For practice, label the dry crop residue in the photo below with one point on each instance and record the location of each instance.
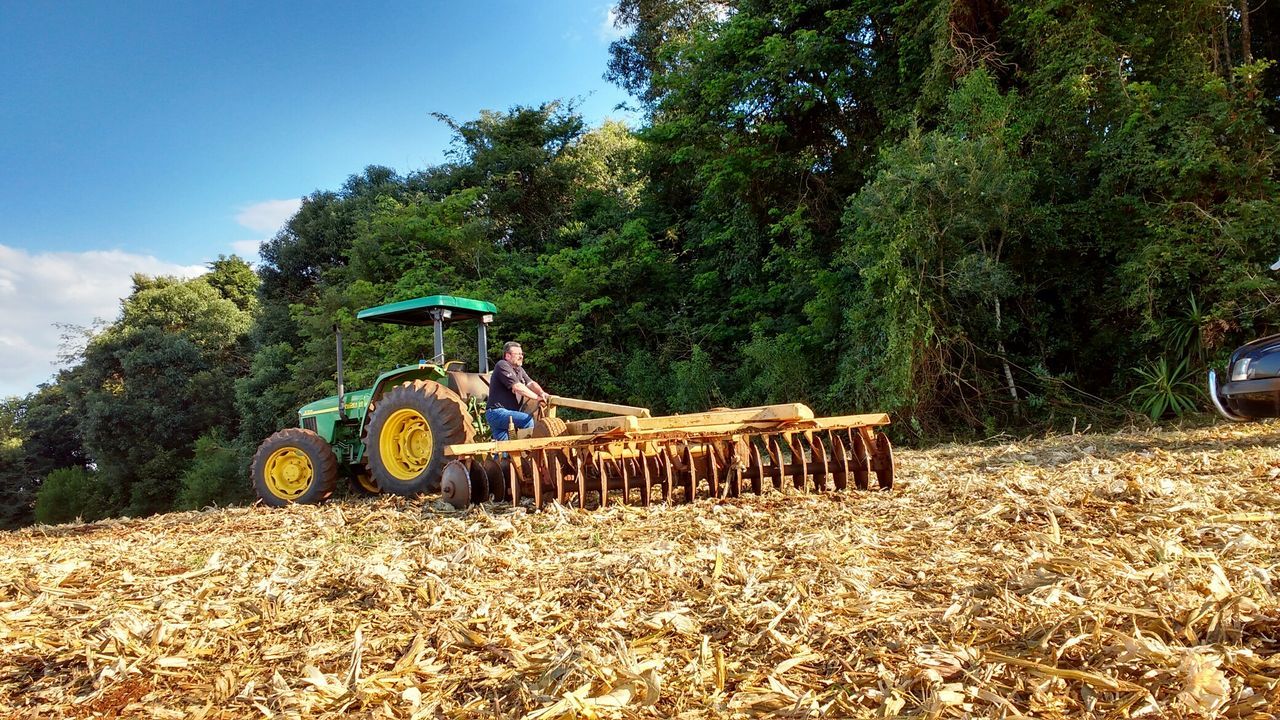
(1080, 576)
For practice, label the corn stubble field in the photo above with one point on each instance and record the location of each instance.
(1123, 575)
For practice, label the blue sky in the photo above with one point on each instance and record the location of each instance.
(155, 136)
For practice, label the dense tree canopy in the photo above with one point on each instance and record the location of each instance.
(974, 214)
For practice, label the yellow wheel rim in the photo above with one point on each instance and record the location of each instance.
(405, 444)
(288, 473)
(365, 481)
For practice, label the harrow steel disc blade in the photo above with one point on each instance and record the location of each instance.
(557, 476)
(624, 469)
(668, 475)
(820, 464)
(647, 466)
(713, 470)
(757, 470)
(479, 480)
(861, 463)
(777, 472)
(455, 485)
(534, 477)
(884, 461)
(840, 469)
(801, 473)
(495, 477)
(582, 480)
(731, 486)
(604, 481)
(690, 476)
(513, 480)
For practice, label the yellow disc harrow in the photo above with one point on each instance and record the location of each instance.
(677, 459)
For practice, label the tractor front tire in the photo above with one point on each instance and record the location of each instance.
(294, 466)
(407, 432)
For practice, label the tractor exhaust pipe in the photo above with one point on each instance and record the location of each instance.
(342, 400)
(482, 339)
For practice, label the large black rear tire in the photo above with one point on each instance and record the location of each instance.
(407, 432)
(294, 466)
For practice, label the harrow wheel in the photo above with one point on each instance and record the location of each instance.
(294, 466)
(407, 431)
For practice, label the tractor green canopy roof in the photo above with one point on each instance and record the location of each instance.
(419, 310)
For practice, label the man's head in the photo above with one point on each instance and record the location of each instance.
(512, 353)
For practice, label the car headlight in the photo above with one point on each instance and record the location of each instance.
(1240, 371)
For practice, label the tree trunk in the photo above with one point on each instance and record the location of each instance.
(1008, 372)
(1246, 34)
(1226, 43)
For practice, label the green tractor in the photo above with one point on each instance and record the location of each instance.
(415, 431)
(390, 437)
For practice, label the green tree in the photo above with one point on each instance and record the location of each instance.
(937, 239)
(216, 475)
(153, 382)
(71, 494)
(234, 280)
(17, 491)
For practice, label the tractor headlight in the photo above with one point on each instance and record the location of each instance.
(1240, 371)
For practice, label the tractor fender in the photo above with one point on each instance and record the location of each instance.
(392, 378)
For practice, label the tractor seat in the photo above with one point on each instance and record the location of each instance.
(469, 385)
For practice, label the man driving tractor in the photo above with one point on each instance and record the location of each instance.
(511, 393)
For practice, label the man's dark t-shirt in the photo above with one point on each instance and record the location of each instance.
(504, 376)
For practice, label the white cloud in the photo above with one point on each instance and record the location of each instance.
(608, 31)
(265, 218)
(42, 288)
(246, 248)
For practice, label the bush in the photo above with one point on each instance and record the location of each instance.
(71, 493)
(1166, 388)
(216, 477)
(696, 389)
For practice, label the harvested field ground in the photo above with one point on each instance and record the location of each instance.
(1080, 576)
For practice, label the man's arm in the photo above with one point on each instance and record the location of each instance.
(525, 391)
(528, 388)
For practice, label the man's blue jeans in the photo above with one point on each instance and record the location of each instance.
(499, 419)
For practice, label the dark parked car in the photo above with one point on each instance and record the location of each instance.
(1252, 387)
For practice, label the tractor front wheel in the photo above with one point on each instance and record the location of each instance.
(294, 466)
(407, 432)
(362, 483)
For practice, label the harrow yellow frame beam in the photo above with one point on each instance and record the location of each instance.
(764, 413)
(676, 431)
(593, 406)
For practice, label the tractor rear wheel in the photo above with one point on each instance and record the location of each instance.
(407, 432)
(294, 466)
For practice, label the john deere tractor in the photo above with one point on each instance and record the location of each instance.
(421, 428)
(390, 437)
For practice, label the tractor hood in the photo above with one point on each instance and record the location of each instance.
(356, 402)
